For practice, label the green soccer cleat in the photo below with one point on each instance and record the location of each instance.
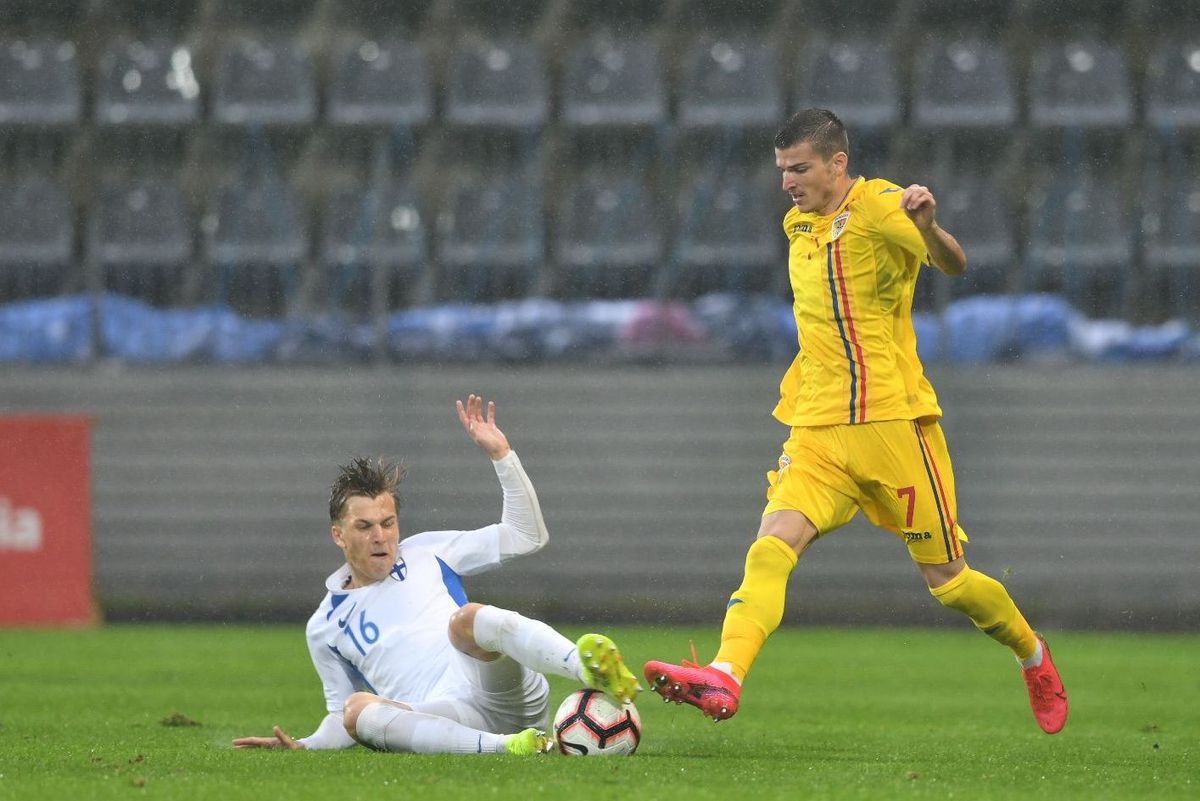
(529, 742)
(604, 670)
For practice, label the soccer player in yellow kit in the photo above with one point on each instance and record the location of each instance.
(863, 418)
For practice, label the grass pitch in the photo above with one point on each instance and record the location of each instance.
(829, 714)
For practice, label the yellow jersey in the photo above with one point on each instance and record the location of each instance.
(853, 273)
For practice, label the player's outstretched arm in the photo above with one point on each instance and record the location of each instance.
(483, 430)
(945, 252)
(281, 740)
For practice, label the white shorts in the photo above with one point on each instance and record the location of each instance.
(501, 697)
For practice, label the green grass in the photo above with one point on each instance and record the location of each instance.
(867, 714)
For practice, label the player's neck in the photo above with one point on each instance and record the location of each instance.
(840, 191)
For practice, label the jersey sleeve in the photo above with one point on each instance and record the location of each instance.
(894, 225)
(337, 686)
(465, 552)
(521, 529)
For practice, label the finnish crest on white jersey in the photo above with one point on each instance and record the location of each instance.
(399, 570)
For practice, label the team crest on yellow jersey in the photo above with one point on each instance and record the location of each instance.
(784, 461)
(839, 225)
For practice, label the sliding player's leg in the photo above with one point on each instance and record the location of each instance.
(484, 632)
(387, 725)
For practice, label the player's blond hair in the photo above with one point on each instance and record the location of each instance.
(367, 477)
(820, 127)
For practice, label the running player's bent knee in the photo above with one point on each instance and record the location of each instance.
(794, 528)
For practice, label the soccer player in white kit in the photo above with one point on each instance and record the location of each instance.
(407, 663)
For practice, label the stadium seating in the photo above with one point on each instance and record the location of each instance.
(140, 237)
(964, 85)
(256, 239)
(262, 81)
(1080, 240)
(608, 242)
(374, 242)
(1079, 84)
(730, 237)
(37, 238)
(491, 235)
(39, 83)
(730, 82)
(380, 83)
(1172, 88)
(970, 95)
(973, 207)
(497, 85)
(611, 82)
(855, 76)
(1172, 238)
(147, 83)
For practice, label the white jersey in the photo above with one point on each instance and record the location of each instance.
(390, 638)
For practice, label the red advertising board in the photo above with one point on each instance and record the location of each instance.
(45, 521)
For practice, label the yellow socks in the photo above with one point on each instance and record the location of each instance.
(984, 600)
(756, 608)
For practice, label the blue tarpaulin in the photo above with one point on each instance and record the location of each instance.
(760, 328)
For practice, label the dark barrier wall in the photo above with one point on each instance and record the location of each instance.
(1078, 487)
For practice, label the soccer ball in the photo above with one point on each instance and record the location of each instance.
(588, 723)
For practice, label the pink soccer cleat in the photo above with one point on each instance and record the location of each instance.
(1047, 695)
(712, 691)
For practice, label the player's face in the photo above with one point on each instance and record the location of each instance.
(369, 535)
(813, 183)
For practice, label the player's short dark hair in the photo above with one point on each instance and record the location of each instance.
(367, 477)
(820, 127)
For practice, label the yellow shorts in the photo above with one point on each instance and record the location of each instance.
(897, 471)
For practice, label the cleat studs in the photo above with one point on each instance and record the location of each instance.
(666, 700)
(677, 688)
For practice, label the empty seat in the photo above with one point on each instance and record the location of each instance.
(729, 233)
(1082, 84)
(491, 238)
(854, 78)
(610, 82)
(1080, 240)
(1171, 241)
(140, 237)
(965, 84)
(1173, 86)
(256, 237)
(264, 82)
(147, 83)
(609, 240)
(373, 239)
(730, 83)
(39, 83)
(976, 212)
(384, 82)
(497, 85)
(37, 238)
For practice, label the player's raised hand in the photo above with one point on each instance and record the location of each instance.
(918, 203)
(483, 430)
(281, 740)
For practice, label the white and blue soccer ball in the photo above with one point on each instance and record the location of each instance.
(589, 723)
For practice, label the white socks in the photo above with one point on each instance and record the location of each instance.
(528, 642)
(727, 668)
(1034, 660)
(390, 728)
